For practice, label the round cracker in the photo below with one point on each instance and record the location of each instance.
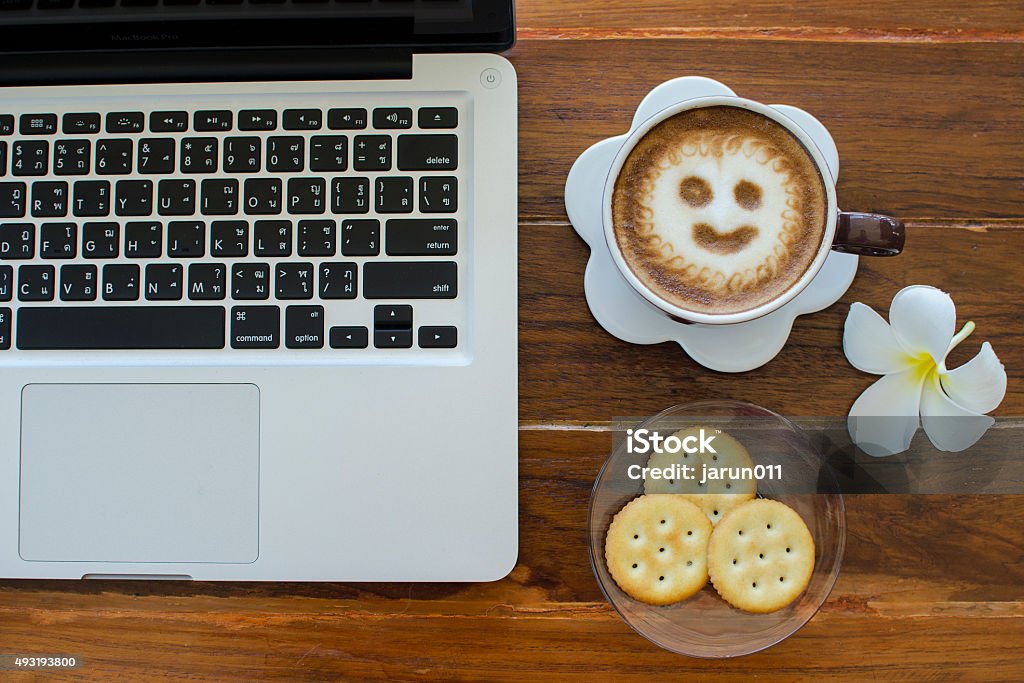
(656, 548)
(761, 556)
(716, 496)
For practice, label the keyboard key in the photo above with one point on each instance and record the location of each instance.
(328, 153)
(78, 282)
(392, 117)
(134, 198)
(392, 339)
(72, 157)
(6, 124)
(302, 119)
(394, 195)
(286, 154)
(125, 122)
(101, 240)
(349, 337)
(306, 195)
(350, 195)
(428, 152)
(272, 238)
(163, 281)
(38, 124)
(263, 196)
(168, 121)
(421, 237)
(58, 240)
(294, 281)
(186, 239)
(3, 158)
(229, 238)
(257, 119)
(439, 194)
(120, 327)
(50, 199)
(177, 197)
(199, 155)
(255, 327)
(5, 328)
(74, 124)
(250, 281)
(17, 241)
(36, 283)
(219, 197)
(121, 282)
(206, 281)
(143, 240)
(371, 153)
(114, 156)
(438, 117)
(212, 120)
(438, 337)
(410, 280)
(304, 327)
(30, 157)
(12, 200)
(360, 237)
(392, 315)
(91, 198)
(338, 280)
(242, 155)
(346, 119)
(317, 238)
(156, 155)
(6, 283)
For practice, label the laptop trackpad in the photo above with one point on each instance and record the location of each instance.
(140, 472)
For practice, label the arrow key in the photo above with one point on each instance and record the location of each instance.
(394, 316)
(438, 337)
(349, 337)
(392, 339)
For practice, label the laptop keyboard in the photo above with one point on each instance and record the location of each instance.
(306, 224)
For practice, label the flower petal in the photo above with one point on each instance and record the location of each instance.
(978, 385)
(949, 426)
(884, 418)
(870, 344)
(923, 319)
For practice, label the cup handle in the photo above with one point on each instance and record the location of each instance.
(869, 234)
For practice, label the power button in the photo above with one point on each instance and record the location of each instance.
(490, 78)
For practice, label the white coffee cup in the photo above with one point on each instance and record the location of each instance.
(859, 233)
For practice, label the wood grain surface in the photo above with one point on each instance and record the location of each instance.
(924, 99)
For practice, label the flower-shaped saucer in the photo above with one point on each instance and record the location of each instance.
(625, 314)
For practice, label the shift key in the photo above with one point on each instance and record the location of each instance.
(410, 280)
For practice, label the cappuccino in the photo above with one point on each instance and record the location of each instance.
(719, 210)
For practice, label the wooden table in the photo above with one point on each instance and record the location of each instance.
(924, 99)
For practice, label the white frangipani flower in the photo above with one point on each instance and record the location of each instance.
(916, 388)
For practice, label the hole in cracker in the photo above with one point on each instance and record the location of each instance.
(787, 550)
(734, 561)
(636, 535)
(716, 512)
(671, 481)
(754, 585)
(769, 526)
(661, 578)
(714, 457)
(781, 579)
(729, 486)
(761, 555)
(662, 521)
(690, 532)
(689, 563)
(740, 533)
(661, 550)
(634, 565)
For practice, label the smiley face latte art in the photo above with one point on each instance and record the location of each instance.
(719, 210)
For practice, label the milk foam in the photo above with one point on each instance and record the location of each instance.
(719, 209)
(722, 244)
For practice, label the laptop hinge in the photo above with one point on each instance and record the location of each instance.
(205, 65)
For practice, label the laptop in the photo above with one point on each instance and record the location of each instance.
(258, 290)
